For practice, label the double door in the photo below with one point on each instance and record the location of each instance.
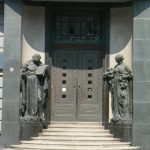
(76, 85)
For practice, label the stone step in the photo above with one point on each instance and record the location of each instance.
(60, 147)
(76, 134)
(74, 130)
(76, 125)
(70, 138)
(125, 148)
(75, 143)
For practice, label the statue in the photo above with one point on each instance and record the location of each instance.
(34, 89)
(119, 80)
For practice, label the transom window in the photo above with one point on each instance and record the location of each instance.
(78, 28)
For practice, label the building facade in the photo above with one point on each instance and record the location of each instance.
(79, 40)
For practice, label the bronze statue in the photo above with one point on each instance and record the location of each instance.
(119, 80)
(34, 88)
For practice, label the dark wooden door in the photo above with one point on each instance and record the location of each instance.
(89, 90)
(76, 86)
(64, 86)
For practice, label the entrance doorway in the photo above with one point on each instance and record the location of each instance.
(76, 77)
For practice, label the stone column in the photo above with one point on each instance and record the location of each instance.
(141, 72)
(12, 62)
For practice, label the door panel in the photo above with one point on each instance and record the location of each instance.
(89, 87)
(63, 82)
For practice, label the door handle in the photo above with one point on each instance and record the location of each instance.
(79, 86)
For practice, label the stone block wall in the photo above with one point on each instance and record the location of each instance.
(141, 71)
(11, 72)
(1, 57)
(1, 96)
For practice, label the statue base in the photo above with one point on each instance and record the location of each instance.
(121, 130)
(30, 127)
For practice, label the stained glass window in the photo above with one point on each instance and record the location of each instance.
(78, 28)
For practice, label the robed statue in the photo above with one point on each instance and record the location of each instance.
(34, 88)
(119, 80)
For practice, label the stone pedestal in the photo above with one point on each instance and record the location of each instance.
(30, 128)
(123, 131)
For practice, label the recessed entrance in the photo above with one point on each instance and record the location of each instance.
(77, 66)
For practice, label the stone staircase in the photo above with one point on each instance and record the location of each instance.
(74, 136)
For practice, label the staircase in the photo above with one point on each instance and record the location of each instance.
(74, 136)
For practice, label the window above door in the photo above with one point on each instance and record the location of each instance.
(80, 29)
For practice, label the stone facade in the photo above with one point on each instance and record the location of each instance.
(1, 57)
(25, 33)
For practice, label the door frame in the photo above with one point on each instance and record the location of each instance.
(49, 34)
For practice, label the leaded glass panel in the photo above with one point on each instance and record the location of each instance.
(78, 28)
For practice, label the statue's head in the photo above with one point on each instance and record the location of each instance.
(119, 58)
(36, 57)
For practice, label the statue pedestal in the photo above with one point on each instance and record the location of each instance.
(30, 128)
(121, 130)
